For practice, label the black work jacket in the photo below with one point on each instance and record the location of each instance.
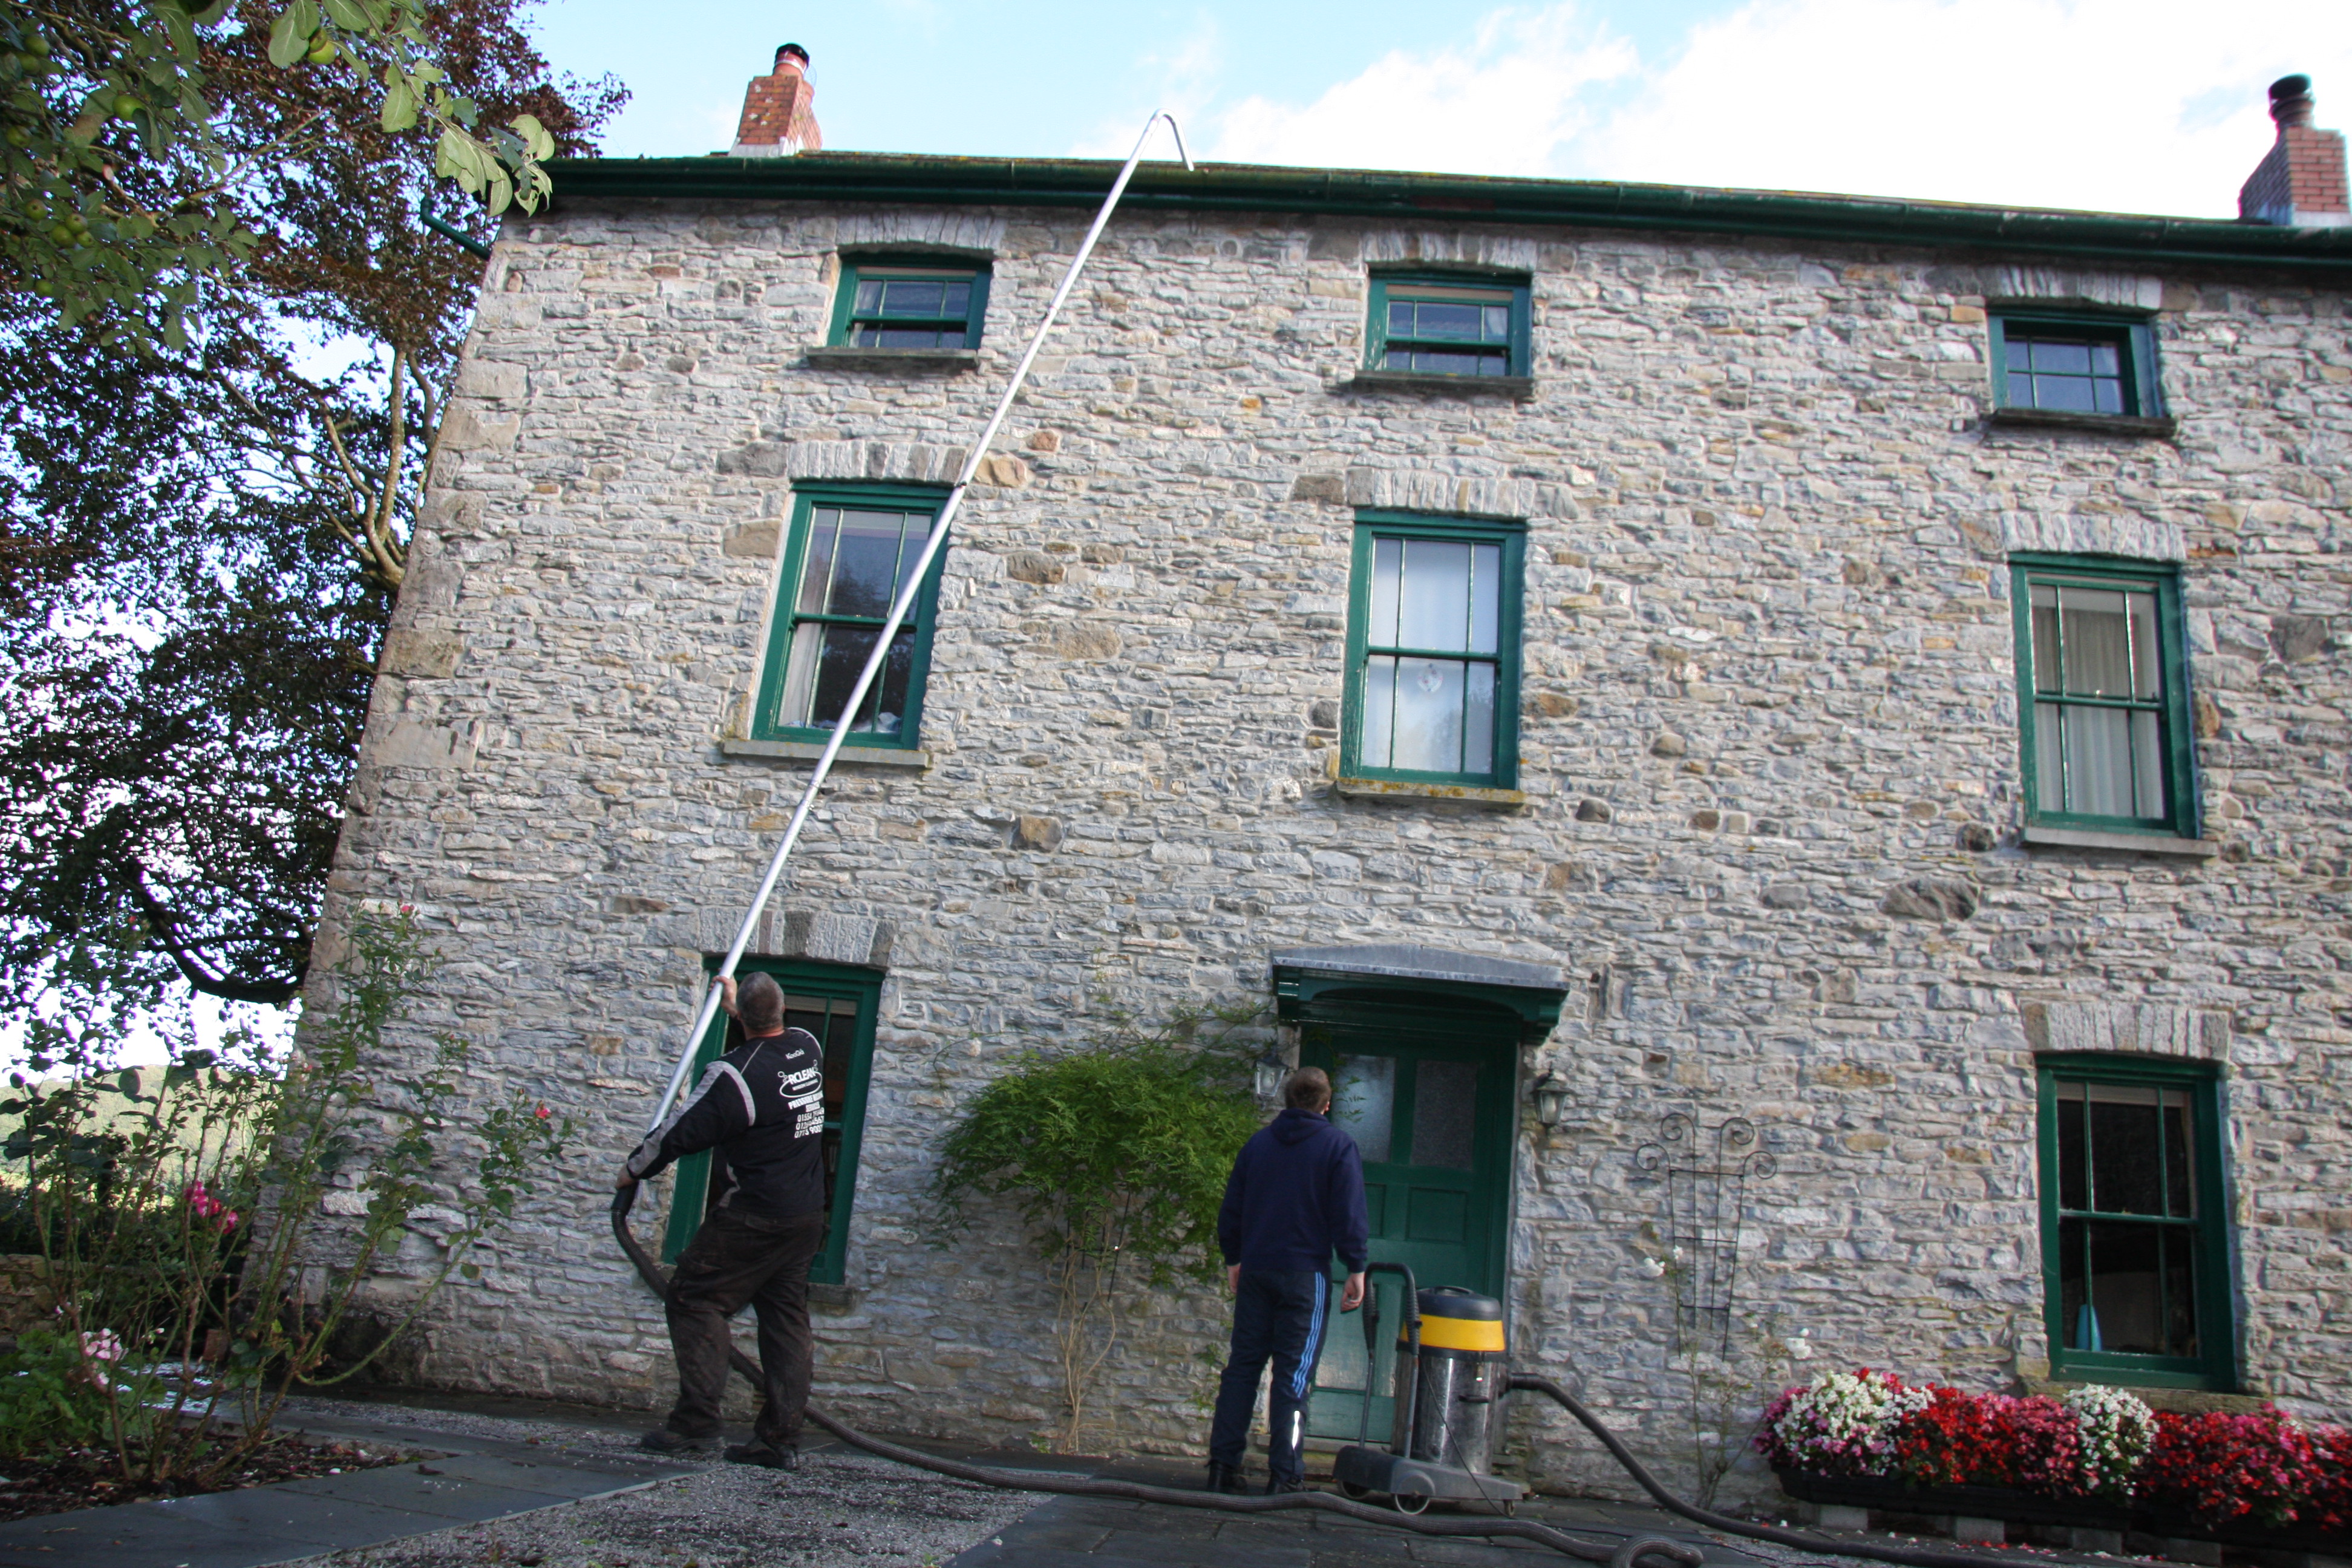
(761, 1107)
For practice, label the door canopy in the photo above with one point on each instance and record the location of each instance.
(1312, 983)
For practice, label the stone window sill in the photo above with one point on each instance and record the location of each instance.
(809, 751)
(1518, 388)
(2161, 426)
(2133, 843)
(895, 359)
(1399, 789)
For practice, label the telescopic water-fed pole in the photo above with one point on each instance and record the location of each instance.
(899, 609)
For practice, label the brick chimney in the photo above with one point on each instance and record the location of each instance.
(2301, 183)
(777, 117)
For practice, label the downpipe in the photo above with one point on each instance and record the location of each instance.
(1634, 1553)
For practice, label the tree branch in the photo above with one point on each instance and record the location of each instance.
(274, 992)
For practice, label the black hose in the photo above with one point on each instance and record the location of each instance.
(1917, 1556)
(1629, 1554)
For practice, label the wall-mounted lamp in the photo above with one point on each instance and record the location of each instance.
(1271, 1070)
(1551, 1098)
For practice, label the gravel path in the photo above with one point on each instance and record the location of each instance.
(839, 1510)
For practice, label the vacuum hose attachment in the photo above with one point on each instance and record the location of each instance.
(1914, 1556)
(1635, 1551)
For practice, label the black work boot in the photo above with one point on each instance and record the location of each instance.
(1226, 1478)
(1276, 1486)
(768, 1455)
(662, 1440)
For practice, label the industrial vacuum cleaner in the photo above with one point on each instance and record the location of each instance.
(1451, 1372)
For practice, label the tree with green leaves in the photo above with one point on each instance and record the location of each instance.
(200, 546)
(1115, 1157)
(130, 173)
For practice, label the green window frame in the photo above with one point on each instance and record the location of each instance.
(849, 548)
(1434, 619)
(2075, 364)
(2135, 1222)
(909, 302)
(1448, 324)
(838, 1004)
(2102, 699)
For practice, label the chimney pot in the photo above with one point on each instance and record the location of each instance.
(2291, 101)
(2300, 183)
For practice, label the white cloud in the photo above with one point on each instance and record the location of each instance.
(1501, 105)
(2121, 105)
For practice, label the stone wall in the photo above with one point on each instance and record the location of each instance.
(1769, 748)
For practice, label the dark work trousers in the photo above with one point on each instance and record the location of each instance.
(735, 1260)
(1280, 1315)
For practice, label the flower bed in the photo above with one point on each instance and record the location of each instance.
(2097, 1459)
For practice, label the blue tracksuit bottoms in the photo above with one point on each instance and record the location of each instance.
(1283, 1316)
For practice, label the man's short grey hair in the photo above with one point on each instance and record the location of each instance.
(759, 1003)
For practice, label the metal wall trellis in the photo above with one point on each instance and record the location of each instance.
(1707, 1176)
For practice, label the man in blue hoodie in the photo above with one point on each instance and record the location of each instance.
(1295, 1197)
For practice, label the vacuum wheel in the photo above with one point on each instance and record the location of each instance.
(1410, 1502)
(1353, 1492)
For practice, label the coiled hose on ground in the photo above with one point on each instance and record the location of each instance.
(1656, 1550)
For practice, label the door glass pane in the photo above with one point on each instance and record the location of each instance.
(1428, 736)
(2098, 760)
(1445, 1114)
(2147, 764)
(2098, 642)
(1364, 1103)
(1434, 609)
(2126, 1152)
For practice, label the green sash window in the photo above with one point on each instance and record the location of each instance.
(1448, 326)
(2133, 1235)
(1434, 651)
(2076, 364)
(2103, 703)
(908, 303)
(849, 555)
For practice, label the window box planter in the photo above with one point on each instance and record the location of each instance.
(1886, 1495)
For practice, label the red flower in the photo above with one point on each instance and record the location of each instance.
(544, 1113)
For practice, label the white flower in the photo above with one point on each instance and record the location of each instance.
(1655, 1268)
(1800, 1348)
(2115, 1432)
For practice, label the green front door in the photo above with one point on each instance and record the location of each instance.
(1427, 1097)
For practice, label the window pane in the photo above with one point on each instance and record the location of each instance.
(1433, 611)
(2180, 1336)
(2098, 761)
(1445, 362)
(842, 653)
(2045, 636)
(2065, 358)
(2066, 393)
(800, 675)
(1428, 716)
(2073, 1161)
(1380, 711)
(2147, 765)
(2098, 642)
(817, 570)
(2049, 760)
(2104, 360)
(1445, 1114)
(873, 552)
(2107, 396)
(1388, 558)
(2147, 680)
(2126, 1149)
(1478, 720)
(1364, 1103)
(874, 337)
(1459, 323)
(2180, 1167)
(1486, 596)
(869, 297)
(924, 298)
(1400, 318)
(2080, 1327)
(2142, 1281)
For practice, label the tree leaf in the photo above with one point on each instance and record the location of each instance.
(289, 37)
(349, 16)
(399, 108)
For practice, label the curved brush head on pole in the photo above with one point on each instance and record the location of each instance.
(899, 611)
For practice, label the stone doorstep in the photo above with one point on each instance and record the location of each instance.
(473, 1482)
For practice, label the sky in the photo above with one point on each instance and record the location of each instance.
(2111, 105)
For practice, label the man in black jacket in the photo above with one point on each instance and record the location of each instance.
(1295, 1197)
(762, 1107)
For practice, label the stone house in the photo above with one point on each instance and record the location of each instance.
(1582, 654)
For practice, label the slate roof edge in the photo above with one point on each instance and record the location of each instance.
(866, 178)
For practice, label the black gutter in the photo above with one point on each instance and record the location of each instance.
(902, 180)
